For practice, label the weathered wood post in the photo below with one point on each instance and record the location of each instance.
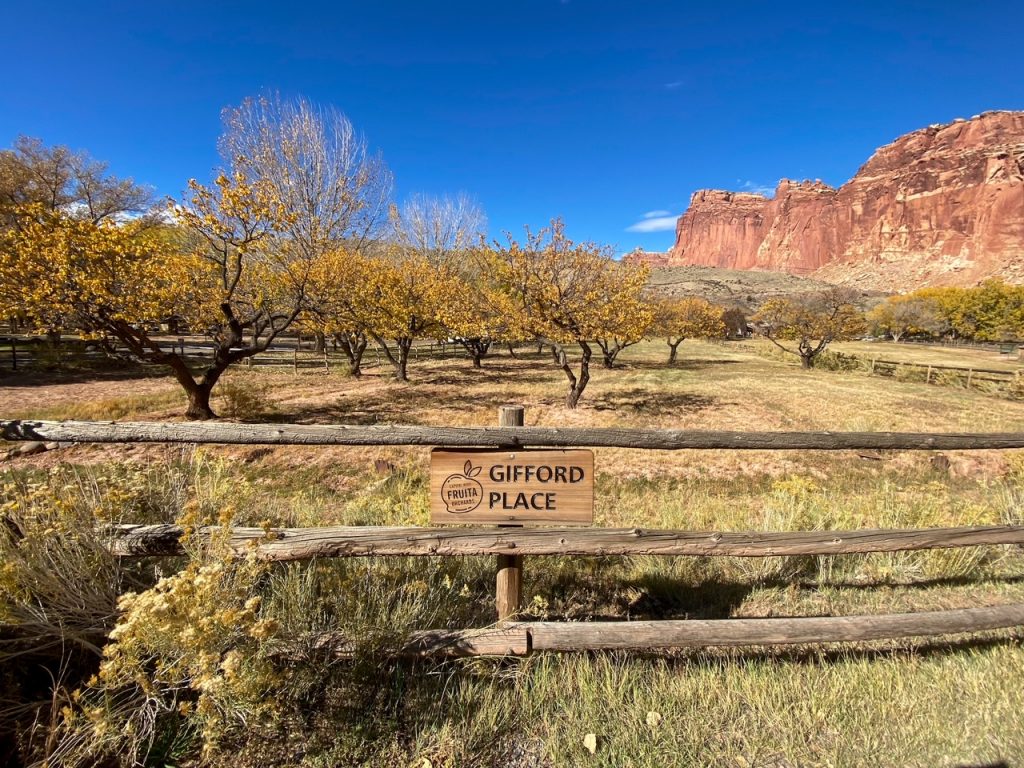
(928, 376)
(509, 582)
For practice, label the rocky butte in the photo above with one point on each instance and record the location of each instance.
(943, 205)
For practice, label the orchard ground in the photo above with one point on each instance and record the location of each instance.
(950, 702)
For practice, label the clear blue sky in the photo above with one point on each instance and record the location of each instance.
(599, 112)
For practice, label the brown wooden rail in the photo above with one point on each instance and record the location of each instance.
(282, 544)
(524, 637)
(495, 437)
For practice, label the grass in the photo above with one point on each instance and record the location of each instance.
(960, 357)
(891, 703)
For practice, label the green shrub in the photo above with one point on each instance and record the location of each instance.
(244, 397)
(837, 361)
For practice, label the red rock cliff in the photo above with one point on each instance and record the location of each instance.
(941, 205)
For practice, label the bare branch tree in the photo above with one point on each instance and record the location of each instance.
(438, 228)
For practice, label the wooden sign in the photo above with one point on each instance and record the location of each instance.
(511, 487)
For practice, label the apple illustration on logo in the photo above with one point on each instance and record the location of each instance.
(461, 493)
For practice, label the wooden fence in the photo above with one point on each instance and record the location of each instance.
(510, 545)
(968, 375)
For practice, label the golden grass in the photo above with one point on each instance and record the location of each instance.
(898, 703)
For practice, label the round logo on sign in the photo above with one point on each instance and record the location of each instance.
(460, 492)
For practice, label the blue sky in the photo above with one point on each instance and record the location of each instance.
(600, 112)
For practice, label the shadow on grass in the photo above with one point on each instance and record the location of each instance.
(114, 371)
(682, 364)
(641, 400)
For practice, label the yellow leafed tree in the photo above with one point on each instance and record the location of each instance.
(812, 323)
(691, 317)
(564, 294)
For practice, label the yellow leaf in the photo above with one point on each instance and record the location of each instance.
(590, 742)
(653, 719)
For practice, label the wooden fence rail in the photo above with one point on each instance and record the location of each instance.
(522, 638)
(511, 544)
(282, 544)
(495, 437)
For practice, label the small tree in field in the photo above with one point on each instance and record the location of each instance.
(562, 293)
(479, 313)
(626, 316)
(902, 315)
(687, 318)
(388, 298)
(811, 323)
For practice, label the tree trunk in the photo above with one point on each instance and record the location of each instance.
(353, 344)
(199, 404)
(576, 383)
(320, 343)
(512, 351)
(402, 366)
(806, 361)
(476, 348)
(674, 349)
(198, 392)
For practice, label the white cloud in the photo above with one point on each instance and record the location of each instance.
(654, 223)
(656, 214)
(673, 85)
(756, 188)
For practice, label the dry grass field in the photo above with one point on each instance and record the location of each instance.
(958, 701)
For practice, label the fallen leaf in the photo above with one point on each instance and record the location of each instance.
(653, 719)
(590, 742)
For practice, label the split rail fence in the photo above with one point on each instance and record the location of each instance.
(512, 637)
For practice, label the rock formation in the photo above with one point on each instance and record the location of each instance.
(943, 205)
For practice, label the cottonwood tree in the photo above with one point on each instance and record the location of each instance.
(990, 311)
(560, 290)
(909, 314)
(439, 229)
(678, 319)
(811, 322)
(57, 179)
(46, 186)
(320, 170)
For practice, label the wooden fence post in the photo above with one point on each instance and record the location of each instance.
(509, 582)
(14, 353)
(928, 376)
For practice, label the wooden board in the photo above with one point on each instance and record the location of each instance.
(494, 437)
(512, 487)
(285, 544)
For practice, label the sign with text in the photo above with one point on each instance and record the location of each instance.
(512, 487)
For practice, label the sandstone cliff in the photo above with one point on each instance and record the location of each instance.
(943, 205)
